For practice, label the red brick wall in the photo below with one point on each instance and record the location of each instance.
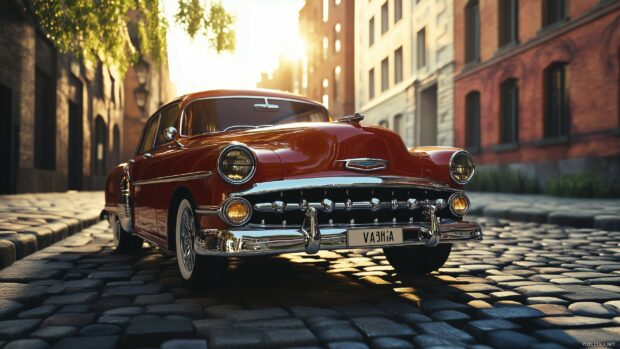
(589, 43)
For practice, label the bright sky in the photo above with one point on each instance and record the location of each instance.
(264, 30)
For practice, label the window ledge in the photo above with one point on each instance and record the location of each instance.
(471, 65)
(505, 147)
(552, 141)
(550, 27)
(507, 47)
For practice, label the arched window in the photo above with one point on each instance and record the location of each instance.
(472, 31)
(99, 146)
(472, 120)
(116, 145)
(557, 120)
(509, 112)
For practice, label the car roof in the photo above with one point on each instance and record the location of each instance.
(185, 99)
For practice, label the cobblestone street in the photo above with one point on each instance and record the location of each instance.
(525, 285)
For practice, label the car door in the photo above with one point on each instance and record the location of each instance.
(144, 173)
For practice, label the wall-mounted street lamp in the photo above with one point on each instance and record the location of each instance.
(142, 70)
(140, 93)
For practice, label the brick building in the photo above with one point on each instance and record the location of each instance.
(326, 74)
(62, 120)
(537, 84)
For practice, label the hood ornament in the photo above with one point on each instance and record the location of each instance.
(365, 164)
(357, 117)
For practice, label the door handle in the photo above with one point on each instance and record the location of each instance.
(147, 155)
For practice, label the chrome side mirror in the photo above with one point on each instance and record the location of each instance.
(170, 134)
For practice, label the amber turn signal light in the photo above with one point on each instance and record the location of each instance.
(237, 211)
(459, 204)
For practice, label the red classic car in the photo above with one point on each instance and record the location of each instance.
(244, 173)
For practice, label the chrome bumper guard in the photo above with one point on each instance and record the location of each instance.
(310, 239)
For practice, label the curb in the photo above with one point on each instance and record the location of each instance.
(576, 219)
(15, 245)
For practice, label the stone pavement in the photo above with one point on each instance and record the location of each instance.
(29, 222)
(526, 285)
(575, 212)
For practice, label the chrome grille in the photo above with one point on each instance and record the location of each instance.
(347, 205)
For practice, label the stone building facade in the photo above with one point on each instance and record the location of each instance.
(404, 62)
(537, 85)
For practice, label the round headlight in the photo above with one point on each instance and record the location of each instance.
(462, 167)
(459, 204)
(236, 164)
(236, 211)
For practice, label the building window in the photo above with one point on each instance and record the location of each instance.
(371, 31)
(557, 122)
(98, 81)
(325, 10)
(325, 47)
(337, 46)
(336, 81)
(112, 89)
(472, 120)
(398, 65)
(509, 109)
(99, 146)
(553, 11)
(371, 83)
(421, 48)
(508, 22)
(399, 124)
(398, 10)
(337, 2)
(44, 105)
(385, 74)
(325, 101)
(384, 123)
(116, 144)
(45, 121)
(385, 24)
(472, 32)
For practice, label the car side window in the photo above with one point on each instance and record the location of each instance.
(169, 118)
(150, 130)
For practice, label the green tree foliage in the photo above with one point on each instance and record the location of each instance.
(99, 29)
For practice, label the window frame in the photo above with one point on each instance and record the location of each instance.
(421, 51)
(398, 65)
(509, 112)
(472, 35)
(371, 31)
(385, 17)
(371, 84)
(473, 120)
(556, 126)
(385, 74)
(508, 22)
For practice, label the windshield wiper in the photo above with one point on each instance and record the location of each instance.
(240, 127)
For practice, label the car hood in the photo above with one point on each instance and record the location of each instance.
(318, 149)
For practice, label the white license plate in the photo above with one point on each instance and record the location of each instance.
(374, 236)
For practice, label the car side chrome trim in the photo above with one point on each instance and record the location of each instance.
(344, 182)
(175, 178)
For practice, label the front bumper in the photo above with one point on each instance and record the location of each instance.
(256, 241)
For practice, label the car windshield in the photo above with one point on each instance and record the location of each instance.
(219, 114)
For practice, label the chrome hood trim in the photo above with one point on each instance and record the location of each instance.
(343, 182)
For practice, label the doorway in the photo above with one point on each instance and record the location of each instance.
(75, 157)
(8, 143)
(427, 116)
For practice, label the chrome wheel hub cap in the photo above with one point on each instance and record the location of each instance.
(186, 237)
